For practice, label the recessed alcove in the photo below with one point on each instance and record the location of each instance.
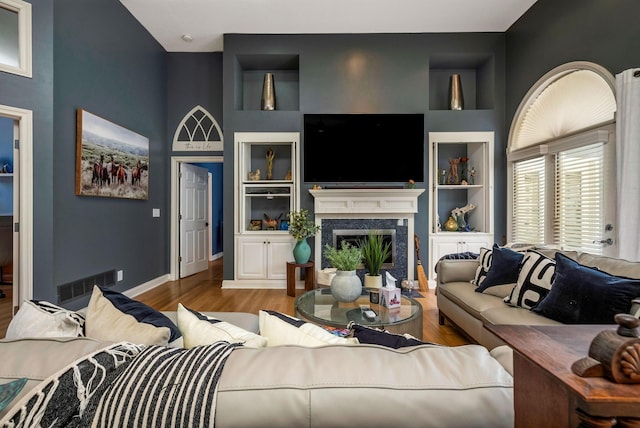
(477, 73)
(250, 70)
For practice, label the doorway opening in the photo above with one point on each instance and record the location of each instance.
(20, 123)
(175, 230)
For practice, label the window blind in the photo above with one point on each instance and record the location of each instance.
(579, 187)
(528, 201)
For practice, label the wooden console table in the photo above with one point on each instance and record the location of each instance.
(548, 394)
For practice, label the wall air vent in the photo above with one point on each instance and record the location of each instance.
(82, 287)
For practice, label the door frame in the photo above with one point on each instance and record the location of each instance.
(174, 263)
(23, 238)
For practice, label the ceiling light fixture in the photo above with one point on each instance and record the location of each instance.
(187, 37)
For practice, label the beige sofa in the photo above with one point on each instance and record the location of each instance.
(327, 386)
(470, 311)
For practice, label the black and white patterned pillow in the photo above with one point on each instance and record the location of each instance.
(486, 254)
(534, 281)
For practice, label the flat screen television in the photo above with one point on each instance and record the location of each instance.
(363, 148)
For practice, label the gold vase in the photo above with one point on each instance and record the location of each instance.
(456, 100)
(268, 93)
(451, 225)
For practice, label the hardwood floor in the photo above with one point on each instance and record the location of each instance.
(203, 291)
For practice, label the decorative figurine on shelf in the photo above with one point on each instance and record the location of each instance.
(270, 155)
(443, 176)
(254, 175)
(452, 176)
(288, 176)
(463, 170)
(458, 215)
(472, 175)
(438, 224)
(271, 223)
(411, 184)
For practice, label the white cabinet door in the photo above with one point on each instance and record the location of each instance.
(279, 252)
(251, 257)
(263, 257)
(452, 243)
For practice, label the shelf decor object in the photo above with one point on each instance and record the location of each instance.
(456, 99)
(268, 93)
(301, 227)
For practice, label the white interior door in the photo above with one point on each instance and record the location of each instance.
(194, 225)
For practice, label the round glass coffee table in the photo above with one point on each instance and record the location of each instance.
(319, 307)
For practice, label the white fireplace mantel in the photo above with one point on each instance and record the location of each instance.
(368, 201)
(401, 204)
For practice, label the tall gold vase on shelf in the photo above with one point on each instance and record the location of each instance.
(268, 93)
(456, 99)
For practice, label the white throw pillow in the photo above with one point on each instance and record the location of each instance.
(486, 254)
(44, 319)
(534, 281)
(281, 329)
(115, 317)
(198, 329)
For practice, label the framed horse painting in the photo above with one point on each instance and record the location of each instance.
(111, 161)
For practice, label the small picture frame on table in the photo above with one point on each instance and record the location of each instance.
(255, 225)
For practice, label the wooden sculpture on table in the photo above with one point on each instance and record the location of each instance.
(614, 354)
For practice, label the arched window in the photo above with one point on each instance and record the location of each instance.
(198, 131)
(561, 154)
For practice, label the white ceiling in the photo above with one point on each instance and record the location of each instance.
(207, 20)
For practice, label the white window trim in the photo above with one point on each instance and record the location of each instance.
(603, 132)
(23, 10)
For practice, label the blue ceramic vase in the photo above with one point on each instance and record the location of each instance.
(302, 251)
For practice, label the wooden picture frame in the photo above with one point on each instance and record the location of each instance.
(111, 161)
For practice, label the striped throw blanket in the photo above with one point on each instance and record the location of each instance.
(129, 385)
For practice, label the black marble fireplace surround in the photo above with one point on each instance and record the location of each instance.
(400, 268)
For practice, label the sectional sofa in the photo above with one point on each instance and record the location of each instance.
(537, 286)
(234, 369)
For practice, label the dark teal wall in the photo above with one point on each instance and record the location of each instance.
(554, 32)
(36, 94)
(108, 64)
(395, 74)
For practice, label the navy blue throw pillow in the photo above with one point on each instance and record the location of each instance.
(585, 295)
(140, 311)
(373, 336)
(504, 269)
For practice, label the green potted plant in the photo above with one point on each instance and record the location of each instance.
(301, 226)
(375, 252)
(345, 285)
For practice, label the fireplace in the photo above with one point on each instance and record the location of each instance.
(352, 213)
(355, 236)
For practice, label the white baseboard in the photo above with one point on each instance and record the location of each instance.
(149, 285)
(215, 256)
(253, 284)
